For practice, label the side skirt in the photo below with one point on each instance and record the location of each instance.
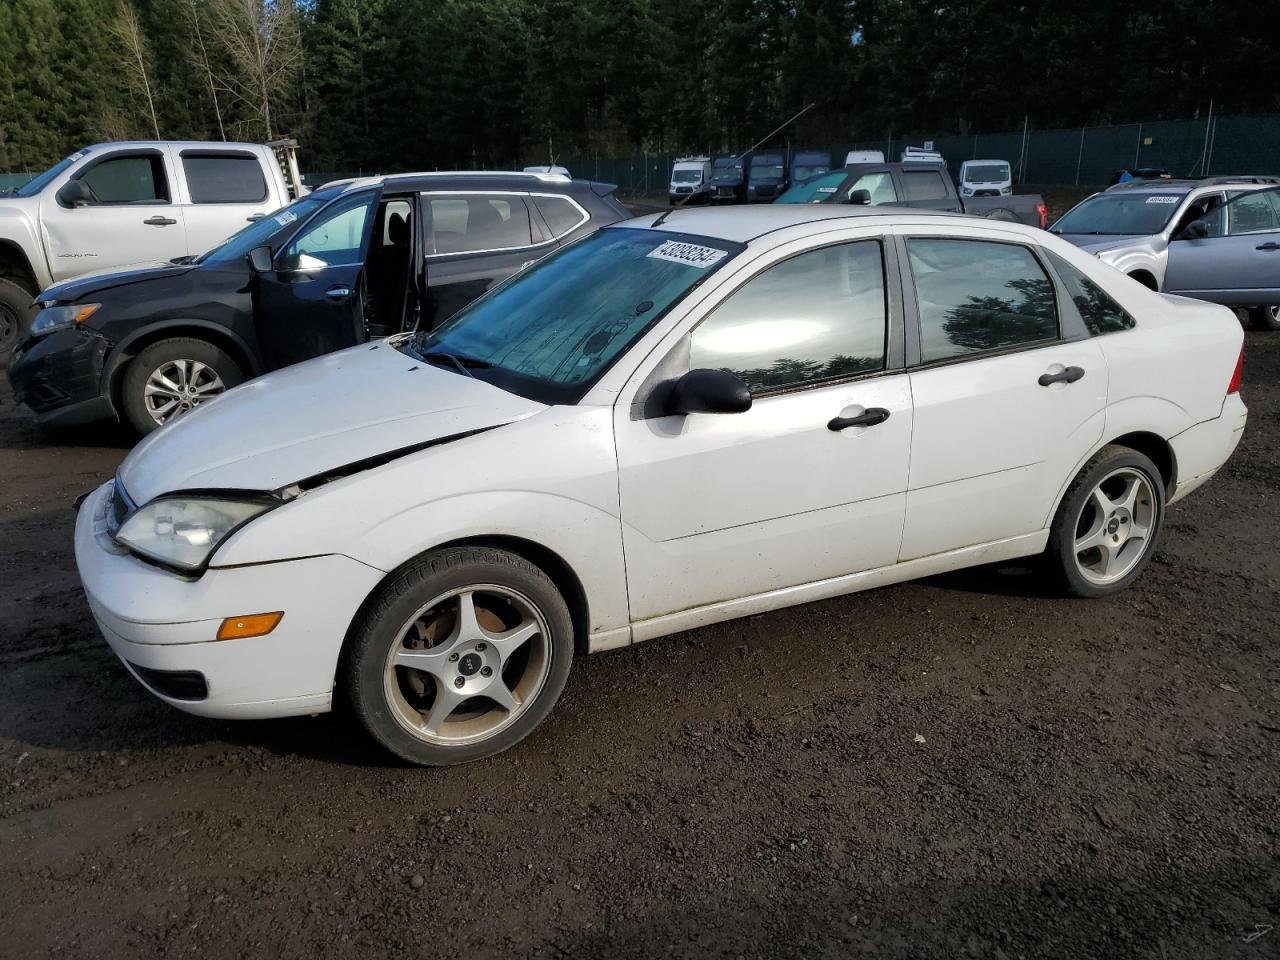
(994, 552)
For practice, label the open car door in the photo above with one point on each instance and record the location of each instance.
(1231, 255)
(312, 301)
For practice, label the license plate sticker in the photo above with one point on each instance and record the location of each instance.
(689, 254)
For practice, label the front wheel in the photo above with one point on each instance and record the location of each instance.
(459, 657)
(1108, 524)
(1265, 318)
(16, 314)
(170, 377)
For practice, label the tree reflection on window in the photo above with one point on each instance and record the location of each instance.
(976, 296)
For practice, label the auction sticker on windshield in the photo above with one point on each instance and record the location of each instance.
(1162, 199)
(286, 218)
(690, 254)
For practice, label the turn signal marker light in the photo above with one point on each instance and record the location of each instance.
(252, 625)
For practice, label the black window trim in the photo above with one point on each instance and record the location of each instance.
(152, 153)
(893, 321)
(524, 196)
(1067, 305)
(911, 311)
(205, 153)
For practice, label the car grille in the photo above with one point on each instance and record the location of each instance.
(684, 189)
(986, 193)
(724, 191)
(174, 684)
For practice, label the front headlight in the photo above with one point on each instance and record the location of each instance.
(184, 532)
(966, 191)
(60, 318)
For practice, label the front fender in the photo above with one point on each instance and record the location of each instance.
(18, 232)
(127, 347)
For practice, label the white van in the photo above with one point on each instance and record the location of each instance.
(985, 178)
(925, 154)
(690, 181)
(863, 156)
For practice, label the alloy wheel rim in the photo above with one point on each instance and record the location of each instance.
(8, 328)
(467, 665)
(176, 386)
(1115, 527)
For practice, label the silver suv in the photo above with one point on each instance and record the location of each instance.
(1140, 228)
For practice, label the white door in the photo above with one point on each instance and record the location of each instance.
(721, 506)
(129, 216)
(1004, 406)
(222, 190)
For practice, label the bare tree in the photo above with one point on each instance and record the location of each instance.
(135, 57)
(200, 57)
(263, 42)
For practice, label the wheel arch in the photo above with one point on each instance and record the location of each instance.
(1145, 277)
(563, 575)
(1150, 444)
(216, 334)
(15, 266)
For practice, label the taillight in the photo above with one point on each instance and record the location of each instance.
(1234, 385)
(1043, 213)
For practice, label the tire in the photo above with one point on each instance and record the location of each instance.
(1116, 555)
(16, 314)
(1265, 318)
(496, 694)
(209, 372)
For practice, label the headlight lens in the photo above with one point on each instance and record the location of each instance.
(185, 531)
(60, 318)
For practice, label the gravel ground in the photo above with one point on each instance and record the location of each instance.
(965, 766)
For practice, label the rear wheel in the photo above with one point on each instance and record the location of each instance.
(16, 314)
(1108, 524)
(459, 657)
(1265, 318)
(171, 377)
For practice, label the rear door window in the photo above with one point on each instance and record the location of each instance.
(975, 296)
(224, 179)
(923, 185)
(471, 223)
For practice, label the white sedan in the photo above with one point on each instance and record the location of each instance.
(672, 422)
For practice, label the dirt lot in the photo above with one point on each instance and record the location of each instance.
(959, 767)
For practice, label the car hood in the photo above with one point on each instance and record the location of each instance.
(91, 283)
(1093, 243)
(315, 418)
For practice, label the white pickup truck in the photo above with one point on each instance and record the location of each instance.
(114, 204)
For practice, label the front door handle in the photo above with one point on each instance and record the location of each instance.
(1269, 245)
(159, 221)
(868, 418)
(1066, 375)
(338, 293)
(256, 217)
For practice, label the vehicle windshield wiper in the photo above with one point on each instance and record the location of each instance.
(460, 362)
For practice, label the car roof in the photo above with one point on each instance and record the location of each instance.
(742, 224)
(462, 179)
(1156, 185)
(212, 145)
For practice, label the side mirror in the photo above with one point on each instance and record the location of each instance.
(860, 198)
(708, 391)
(1195, 230)
(260, 259)
(74, 193)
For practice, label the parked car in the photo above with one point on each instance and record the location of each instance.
(351, 262)
(766, 177)
(1139, 173)
(113, 204)
(863, 156)
(675, 421)
(690, 181)
(1141, 228)
(728, 177)
(985, 178)
(925, 186)
(808, 163)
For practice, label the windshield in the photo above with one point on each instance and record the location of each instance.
(765, 171)
(986, 173)
(41, 180)
(260, 232)
(727, 170)
(552, 330)
(1118, 214)
(815, 189)
(686, 176)
(805, 172)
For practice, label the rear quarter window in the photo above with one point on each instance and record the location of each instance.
(1101, 314)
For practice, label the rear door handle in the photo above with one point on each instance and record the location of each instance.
(256, 217)
(1066, 375)
(1269, 245)
(868, 418)
(338, 293)
(159, 221)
